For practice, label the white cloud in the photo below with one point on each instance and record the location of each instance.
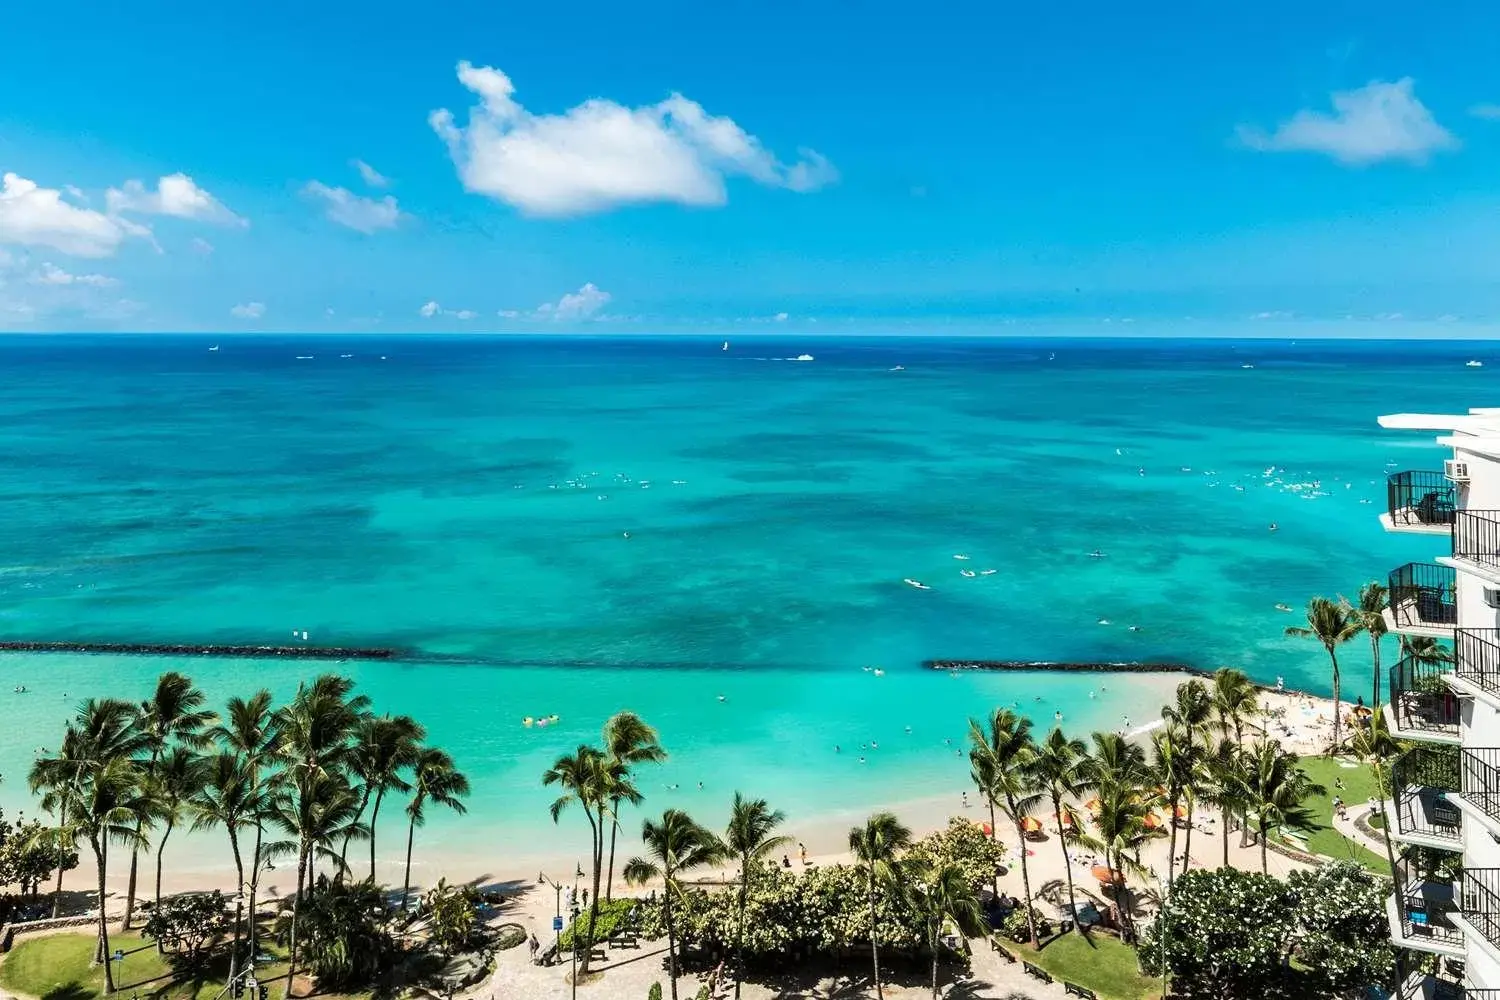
(365, 215)
(248, 310)
(508, 313)
(582, 304)
(780, 317)
(600, 154)
(1380, 121)
(201, 246)
(432, 309)
(175, 195)
(465, 314)
(1490, 112)
(371, 176)
(51, 274)
(31, 215)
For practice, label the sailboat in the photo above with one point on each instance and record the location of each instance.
(725, 347)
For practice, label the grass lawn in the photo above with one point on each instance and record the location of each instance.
(1099, 962)
(59, 967)
(1358, 788)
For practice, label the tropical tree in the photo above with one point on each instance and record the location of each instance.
(1120, 776)
(1331, 623)
(1235, 701)
(1377, 747)
(939, 893)
(436, 780)
(232, 799)
(675, 845)
(1189, 714)
(344, 927)
(384, 747)
(1276, 792)
(628, 742)
(1221, 783)
(1060, 772)
(584, 778)
(875, 847)
(751, 838)
(249, 730)
(1425, 650)
(173, 714)
(1173, 767)
(109, 805)
(1001, 752)
(180, 775)
(1367, 615)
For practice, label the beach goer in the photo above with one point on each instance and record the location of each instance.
(802, 852)
(786, 862)
(1056, 716)
(532, 944)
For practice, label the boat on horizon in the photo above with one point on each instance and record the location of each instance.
(899, 368)
(1473, 364)
(803, 357)
(213, 348)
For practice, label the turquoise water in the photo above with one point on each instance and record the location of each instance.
(471, 497)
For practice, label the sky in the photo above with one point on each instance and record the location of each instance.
(756, 167)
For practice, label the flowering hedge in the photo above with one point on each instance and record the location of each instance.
(1342, 935)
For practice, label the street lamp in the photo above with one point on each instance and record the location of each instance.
(542, 879)
(575, 950)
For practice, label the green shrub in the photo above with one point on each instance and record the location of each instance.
(654, 993)
(612, 915)
(508, 936)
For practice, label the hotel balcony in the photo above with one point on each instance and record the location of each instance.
(1479, 905)
(1422, 911)
(1423, 779)
(1419, 986)
(1422, 502)
(1476, 544)
(1422, 705)
(1476, 668)
(1479, 788)
(1423, 600)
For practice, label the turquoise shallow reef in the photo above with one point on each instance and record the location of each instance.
(716, 539)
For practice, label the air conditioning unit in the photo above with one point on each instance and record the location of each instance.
(1456, 470)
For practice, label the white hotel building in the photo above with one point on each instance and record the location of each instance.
(1447, 790)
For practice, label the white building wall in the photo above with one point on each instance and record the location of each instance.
(1483, 489)
(1481, 967)
(1473, 610)
(1480, 723)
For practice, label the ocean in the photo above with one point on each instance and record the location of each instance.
(716, 539)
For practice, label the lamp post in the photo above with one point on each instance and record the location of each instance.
(542, 879)
(575, 949)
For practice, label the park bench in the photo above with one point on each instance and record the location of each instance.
(1073, 989)
(1036, 972)
(1001, 950)
(626, 939)
(598, 955)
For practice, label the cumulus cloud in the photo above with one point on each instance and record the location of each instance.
(1380, 121)
(431, 309)
(31, 215)
(51, 274)
(248, 310)
(582, 304)
(780, 317)
(364, 215)
(601, 154)
(175, 195)
(371, 176)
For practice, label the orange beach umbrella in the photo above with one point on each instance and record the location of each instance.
(1092, 805)
(1182, 812)
(1107, 876)
(1031, 825)
(1067, 821)
(1152, 821)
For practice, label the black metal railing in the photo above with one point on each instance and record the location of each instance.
(1425, 906)
(1477, 655)
(1424, 595)
(1432, 988)
(1420, 498)
(1480, 781)
(1421, 699)
(1479, 900)
(1476, 537)
(1422, 778)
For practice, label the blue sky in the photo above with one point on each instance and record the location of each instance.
(737, 166)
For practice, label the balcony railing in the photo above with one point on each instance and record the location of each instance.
(1479, 900)
(1432, 988)
(1480, 782)
(1423, 595)
(1422, 777)
(1425, 905)
(1477, 652)
(1420, 499)
(1421, 700)
(1476, 537)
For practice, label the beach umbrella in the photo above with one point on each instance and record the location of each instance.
(1182, 812)
(1092, 805)
(1067, 821)
(1107, 876)
(985, 827)
(1031, 825)
(1152, 821)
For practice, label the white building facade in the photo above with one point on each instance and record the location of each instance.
(1446, 790)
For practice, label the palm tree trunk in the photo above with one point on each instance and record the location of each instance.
(160, 847)
(130, 886)
(594, 902)
(411, 833)
(994, 836)
(1122, 898)
(239, 907)
(374, 815)
(1375, 672)
(57, 892)
(614, 829)
(1025, 873)
(933, 941)
(671, 932)
(1187, 848)
(1264, 870)
(1337, 712)
(739, 927)
(1062, 841)
(101, 855)
(254, 886)
(1172, 846)
(364, 800)
(291, 967)
(875, 938)
(1380, 788)
(1224, 822)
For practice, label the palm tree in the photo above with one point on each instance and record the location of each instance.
(628, 741)
(435, 780)
(1376, 746)
(1367, 615)
(584, 778)
(102, 730)
(1000, 755)
(751, 838)
(250, 731)
(1190, 712)
(1425, 650)
(109, 805)
(180, 776)
(1277, 791)
(1059, 770)
(1120, 776)
(1331, 623)
(675, 845)
(940, 893)
(173, 714)
(383, 748)
(1173, 766)
(1235, 700)
(875, 846)
(1221, 783)
(315, 813)
(230, 797)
